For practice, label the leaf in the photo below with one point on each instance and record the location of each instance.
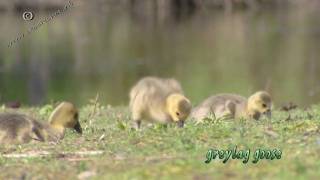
(121, 125)
(46, 110)
(271, 133)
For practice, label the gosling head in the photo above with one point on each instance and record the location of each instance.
(179, 108)
(259, 103)
(64, 116)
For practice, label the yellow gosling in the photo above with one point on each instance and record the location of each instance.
(18, 128)
(159, 100)
(234, 106)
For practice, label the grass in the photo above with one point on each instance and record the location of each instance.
(168, 152)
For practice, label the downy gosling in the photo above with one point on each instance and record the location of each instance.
(234, 106)
(158, 100)
(17, 128)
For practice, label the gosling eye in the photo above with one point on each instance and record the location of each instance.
(177, 113)
(264, 105)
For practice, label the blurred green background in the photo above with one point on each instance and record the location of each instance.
(106, 46)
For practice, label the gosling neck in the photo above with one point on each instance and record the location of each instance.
(58, 129)
(166, 109)
(251, 113)
(166, 104)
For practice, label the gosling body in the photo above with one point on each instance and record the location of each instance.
(234, 106)
(158, 100)
(18, 128)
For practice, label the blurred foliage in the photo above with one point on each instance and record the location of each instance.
(105, 48)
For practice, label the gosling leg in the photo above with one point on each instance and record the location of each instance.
(138, 124)
(231, 106)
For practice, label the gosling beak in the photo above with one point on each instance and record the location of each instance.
(180, 123)
(268, 114)
(78, 128)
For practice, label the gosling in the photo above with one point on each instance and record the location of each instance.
(234, 106)
(159, 100)
(18, 128)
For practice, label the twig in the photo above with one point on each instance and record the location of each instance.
(94, 109)
(46, 153)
